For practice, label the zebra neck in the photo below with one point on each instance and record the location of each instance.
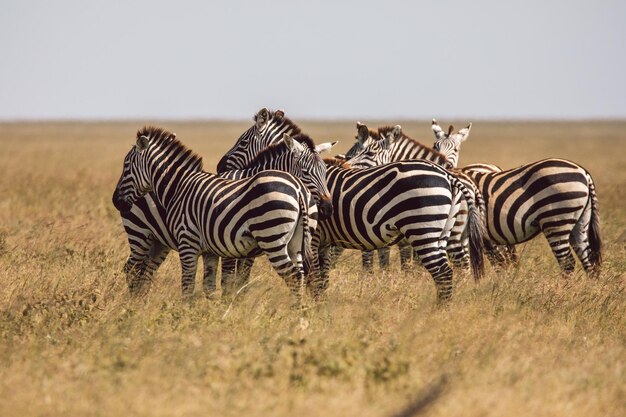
(415, 150)
(169, 176)
(280, 162)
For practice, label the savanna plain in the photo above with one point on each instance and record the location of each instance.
(73, 343)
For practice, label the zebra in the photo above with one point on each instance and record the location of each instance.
(403, 147)
(379, 206)
(391, 202)
(206, 214)
(449, 143)
(300, 157)
(268, 128)
(500, 256)
(389, 144)
(555, 197)
(150, 241)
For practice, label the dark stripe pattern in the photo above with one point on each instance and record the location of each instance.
(555, 197)
(267, 213)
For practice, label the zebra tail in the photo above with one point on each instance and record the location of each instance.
(307, 255)
(595, 239)
(476, 231)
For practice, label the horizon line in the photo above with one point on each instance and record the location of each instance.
(35, 120)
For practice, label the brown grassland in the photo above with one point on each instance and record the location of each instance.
(72, 343)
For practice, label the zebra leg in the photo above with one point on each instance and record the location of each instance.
(319, 275)
(579, 240)
(559, 243)
(133, 269)
(512, 257)
(335, 253)
(458, 242)
(135, 265)
(458, 253)
(189, 265)
(158, 253)
(459, 257)
(496, 256)
(367, 258)
(286, 258)
(416, 257)
(383, 257)
(244, 268)
(406, 257)
(229, 269)
(435, 259)
(210, 262)
(288, 270)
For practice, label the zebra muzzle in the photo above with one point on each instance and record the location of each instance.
(121, 204)
(325, 208)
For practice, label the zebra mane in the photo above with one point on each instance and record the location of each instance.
(164, 137)
(279, 148)
(385, 130)
(303, 139)
(278, 116)
(375, 134)
(334, 161)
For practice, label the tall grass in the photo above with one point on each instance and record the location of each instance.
(522, 342)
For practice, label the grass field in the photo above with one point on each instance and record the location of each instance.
(525, 342)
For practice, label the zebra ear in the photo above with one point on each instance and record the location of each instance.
(323, 147)
(437, 130)
(142, 143)
(396, 133)
(262, 117)
(464, 133)
(293, 145)
(362, 132)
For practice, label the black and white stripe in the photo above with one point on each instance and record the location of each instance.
(390, 144)
(150, 240)
(554, 197)
(449, 143)
(380, 206)
(213, 216)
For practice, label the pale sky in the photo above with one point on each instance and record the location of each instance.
(315, 59)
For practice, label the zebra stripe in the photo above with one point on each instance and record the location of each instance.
(400, 146)
(405, 194)
(214, 216)
(555, 197)
(268, 129)
(385, 146)
(150, 240)
(379, 206)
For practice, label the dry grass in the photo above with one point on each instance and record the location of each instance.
(72, 343)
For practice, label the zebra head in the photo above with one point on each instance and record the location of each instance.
(136, 179)
(362, 136)
(311, 169)
(268, 129)
(377, 150)
(449, 144)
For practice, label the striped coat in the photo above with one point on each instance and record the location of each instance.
(383, 205)
(265, 214)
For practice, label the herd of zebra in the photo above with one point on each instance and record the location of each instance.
(274, 194)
